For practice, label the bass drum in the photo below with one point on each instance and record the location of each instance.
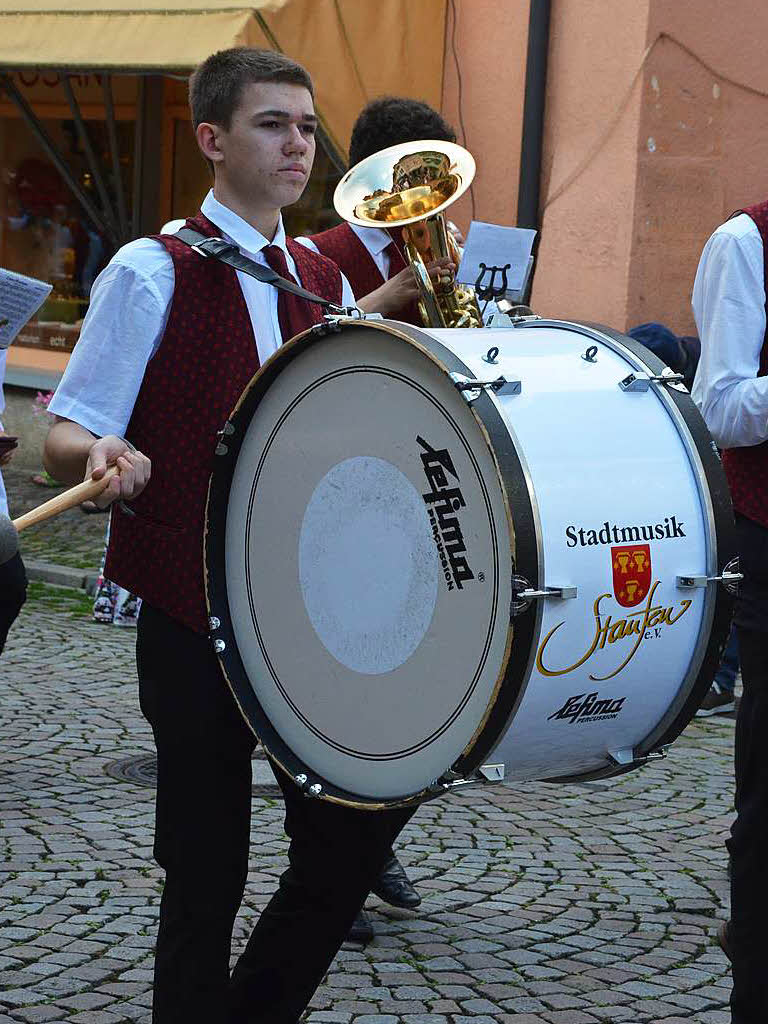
(442, 556)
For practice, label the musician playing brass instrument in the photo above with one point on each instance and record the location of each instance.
(375, 256)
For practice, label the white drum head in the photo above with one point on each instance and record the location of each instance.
(368, 563)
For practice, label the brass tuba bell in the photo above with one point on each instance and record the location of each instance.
(409, 186)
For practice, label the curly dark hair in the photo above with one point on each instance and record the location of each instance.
(391, 120)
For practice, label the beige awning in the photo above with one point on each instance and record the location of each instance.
(354, 49)
(126, 34)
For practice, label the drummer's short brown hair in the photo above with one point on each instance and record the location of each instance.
(215, 86)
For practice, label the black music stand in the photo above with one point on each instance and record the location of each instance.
(491, 290)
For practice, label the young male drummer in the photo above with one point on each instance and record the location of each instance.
(371, 258)
(169, 343)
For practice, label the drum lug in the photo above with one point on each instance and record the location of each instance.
(523, 594)
(471, 390)
(640, 381)
(214, 622)
(492, 772)
(219, 646)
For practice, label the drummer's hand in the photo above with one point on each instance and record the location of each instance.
(402, 289)
(134, 470)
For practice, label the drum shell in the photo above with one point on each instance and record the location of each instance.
(637, 456)
(517, 730)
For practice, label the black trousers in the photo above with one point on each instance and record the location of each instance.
(748, 843)
(13, 594)
(202, 838)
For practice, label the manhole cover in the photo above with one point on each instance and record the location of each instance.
(141, 770)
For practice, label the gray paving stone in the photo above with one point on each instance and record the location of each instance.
(542, 904)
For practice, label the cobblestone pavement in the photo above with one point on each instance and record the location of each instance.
(557, 904)
(72, 538)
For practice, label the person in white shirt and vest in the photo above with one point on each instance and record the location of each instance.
(731, 390)
(372, 258)
(169, 343)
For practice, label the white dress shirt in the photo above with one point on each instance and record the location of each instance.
(729, 309)
(130, 303)
(375, 241)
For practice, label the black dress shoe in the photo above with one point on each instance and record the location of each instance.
(394, 886)
(724, 939)
(361, 931)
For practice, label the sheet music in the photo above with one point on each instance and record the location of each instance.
(20, 298)
(496, 245)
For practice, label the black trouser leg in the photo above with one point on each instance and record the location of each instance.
(202, 835)
(13, 594)
(335, 856)
(748, 844)
(203, 816)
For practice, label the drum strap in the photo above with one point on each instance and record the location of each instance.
(228, 252)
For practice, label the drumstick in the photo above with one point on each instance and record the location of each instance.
(85, 491)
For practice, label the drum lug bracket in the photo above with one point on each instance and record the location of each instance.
(626, 758)
(471, 390)
(523, 594)
(640, 381)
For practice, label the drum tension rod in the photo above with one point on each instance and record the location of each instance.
(451, 780)
(627, 757)
(640, 381)
(728, 579)
(523, 594)
(471, 389)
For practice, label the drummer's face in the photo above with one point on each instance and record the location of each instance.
(269, 148)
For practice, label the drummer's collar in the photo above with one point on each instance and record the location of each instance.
(239, 231)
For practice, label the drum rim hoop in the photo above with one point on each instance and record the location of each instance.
(512, 676)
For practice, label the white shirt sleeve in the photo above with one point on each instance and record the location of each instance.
(347, 295)
(729, 309)
(122, 330)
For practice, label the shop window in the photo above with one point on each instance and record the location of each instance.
(44, 232)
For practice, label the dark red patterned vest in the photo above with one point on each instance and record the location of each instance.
(206, 358)
(342, 245)
(747, 467)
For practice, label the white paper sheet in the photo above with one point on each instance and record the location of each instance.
(20, 298)
(496, 245)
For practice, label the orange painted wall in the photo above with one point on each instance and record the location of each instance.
(656, 130)
(589, 178)
(491, 41)
(702, 145)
